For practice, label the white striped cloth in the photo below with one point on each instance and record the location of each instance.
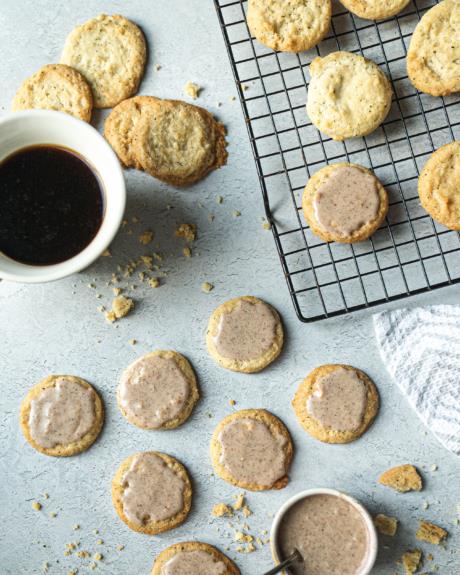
(421, 350)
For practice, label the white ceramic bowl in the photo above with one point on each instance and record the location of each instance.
(32, 127)
(373, 540)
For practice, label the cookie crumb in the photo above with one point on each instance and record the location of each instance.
(45, 566)
(154, 282)
(120, 547)
(434, 467)
(412, 560)
(239, 502)
(98, 556)
(36, 505)
(109, 315)
(106, 254)
(146, 237)
(207, 287)
(53, 514)
(236, 213)
(83, 554)
(157, 67)
(121, 306)
(46, 496)
(211, 218)
(232, 98)
(186, 231)
(192, 90)
(402, 478)
(100, 542)
(132, 341)
(232, 402)
(72, 572)
(187, 252)
(219, 199)
(243, 537)
(266, 225)
(431, 533)
(386, 525)
(116, 291)
(76, 527)
(222, 510)
(246, 511)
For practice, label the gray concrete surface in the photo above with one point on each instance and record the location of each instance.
(56, 328)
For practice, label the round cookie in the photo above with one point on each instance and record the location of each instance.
(151, 492)
(257, 467)
(375, 9)
(179, 143)
(352, 408)
(433, 59)
(158, 390)
(120, 127)
(348, 95)
(346, 212)
(245, 334)
(193, 558)
(111, 53)
(439, 185)
(55, 87)
(48, 425)
(289, 26)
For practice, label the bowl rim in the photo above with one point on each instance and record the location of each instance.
(86, 257)
(373, 539)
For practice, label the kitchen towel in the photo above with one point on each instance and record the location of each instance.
(421, 350)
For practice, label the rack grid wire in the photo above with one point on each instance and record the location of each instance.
(410, 253)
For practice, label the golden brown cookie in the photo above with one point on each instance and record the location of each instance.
(62, 415)
(120, 127)
(254, 329)
(151, 492)
(402, 478)
(375, 9)
(179, 143)
(308, 392)
(55, 87)
(348, 95)
(194, 556)
(158, 391)
(360, 213)
(264, 450)
(439, 185)
(433, 59)
(110, 52)
(289, 26)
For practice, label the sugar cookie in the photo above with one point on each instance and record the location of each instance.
(193, 558)
(375, 9)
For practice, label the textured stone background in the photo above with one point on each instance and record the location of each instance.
(56, 328)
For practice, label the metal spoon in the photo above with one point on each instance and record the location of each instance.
(296, 556)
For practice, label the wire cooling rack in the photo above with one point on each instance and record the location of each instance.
(410, 253)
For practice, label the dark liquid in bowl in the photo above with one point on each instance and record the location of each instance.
(51, 205)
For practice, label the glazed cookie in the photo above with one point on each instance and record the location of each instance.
(375, 9)
(56, 87)
(61, 416)
(433, 59)
(179, 143)
(348, 95)
(193, 558)
(120, 127)
(151, 492)
(110, 52)
(158, 390)
(336, 403)
(252, 449)
(439, 186)
(289, 26)
(344, 203)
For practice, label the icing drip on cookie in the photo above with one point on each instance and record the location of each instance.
(193, 563)
(62, 414)
(252, 452)
(339, 400)
(347, 201)
(153, 390)
(246, 332)
(152, 490)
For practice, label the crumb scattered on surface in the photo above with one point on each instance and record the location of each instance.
(100, 542)
(239, 502)
(232, 98)
(98, 557)
(157, 67)
(186, 231)
(132, 341)
(207, 287)
(434, 467)
(121, 306)
(192, 90)
(219, 199)
(154, 282)
(246, 511)
(243, 537)
(431, 533)
(232, 402)
(76, 527)
(146, 237)
(187, 252)
(106, 253)
(46, 496)
(412, 560)
(120, 547)
(53, 514)
(236, 213)
(266, 225)
(402, 478)
(36, 505)
(116, 291)
(222, 510)
(244, 87)
(386, 525)
(83, 554)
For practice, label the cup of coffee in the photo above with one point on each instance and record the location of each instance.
(333, 533)
(62, 194)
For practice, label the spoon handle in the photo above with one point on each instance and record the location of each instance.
(286, 563)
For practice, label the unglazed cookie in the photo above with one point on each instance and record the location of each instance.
(120, 127)
(56, 87)
(110, 52)
(158, 390)
(245, 334)
(348, 95)
(439, 186)
(336, 403)
(289, 26)
(151, 492)
(179, 143)
(433, 59)
(375, 9)
(252, 449)
(344, 203)
(61, 416)
(193, 558)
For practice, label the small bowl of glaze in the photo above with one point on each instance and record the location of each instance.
(48, 128)
(299, 520)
